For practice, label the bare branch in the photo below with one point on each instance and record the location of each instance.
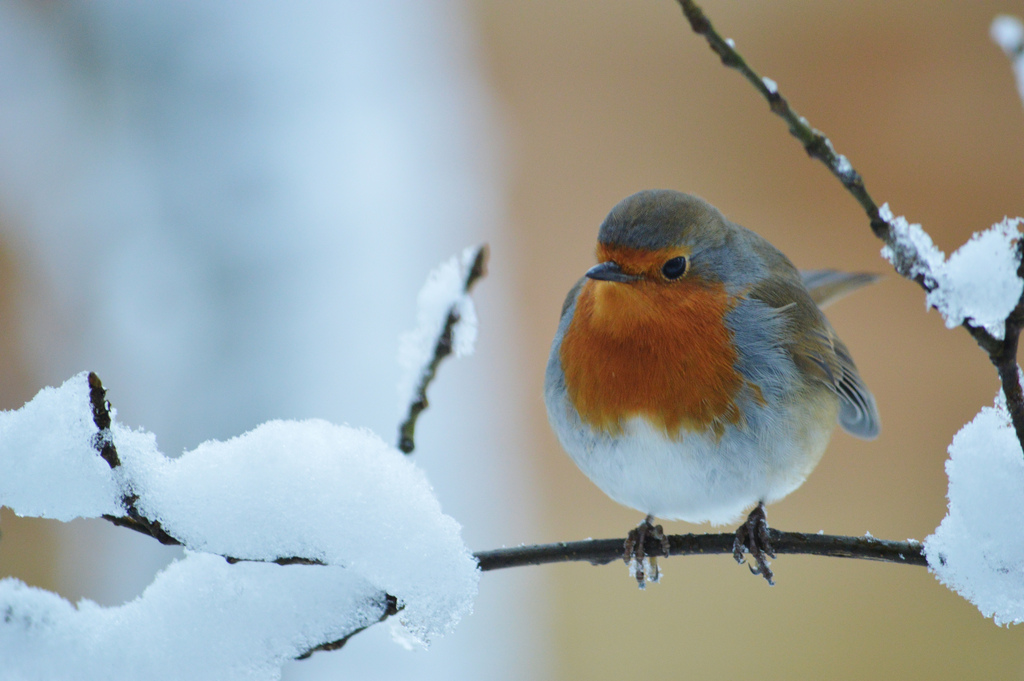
(443, 348)
(604, 551)
(1002, 353)
(104, 444)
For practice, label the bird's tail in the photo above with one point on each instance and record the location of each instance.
(828, 286)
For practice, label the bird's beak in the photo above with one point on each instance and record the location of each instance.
(610, 271)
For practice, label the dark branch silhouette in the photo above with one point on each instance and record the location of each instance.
(603, 551)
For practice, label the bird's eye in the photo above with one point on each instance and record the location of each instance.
(674, 268)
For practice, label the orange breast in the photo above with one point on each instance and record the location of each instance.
(652, 350)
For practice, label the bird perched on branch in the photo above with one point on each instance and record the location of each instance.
(693, 375)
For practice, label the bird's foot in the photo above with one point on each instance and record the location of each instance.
(753, 536)
(643, 567)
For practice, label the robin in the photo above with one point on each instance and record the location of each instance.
(693, 375)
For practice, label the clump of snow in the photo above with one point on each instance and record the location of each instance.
(1008, 33)
(977, 549)
(48, 465)
(287, 489)
(201, 618)
(316, 490)
(773, 87)
(978, 283)
(444, 291)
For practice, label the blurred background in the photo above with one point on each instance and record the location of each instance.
(227, 213)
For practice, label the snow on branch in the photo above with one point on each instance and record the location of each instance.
(446, 323)
(977, 550)
(978, 284)
(360, 516)
(49, 467)
(201, 618)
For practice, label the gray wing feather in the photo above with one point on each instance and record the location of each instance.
(858, 414)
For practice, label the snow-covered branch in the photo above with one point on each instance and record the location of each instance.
(132, 518)
(447, 324)
(352, 518)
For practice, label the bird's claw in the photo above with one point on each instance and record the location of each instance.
(643, 567)
(753, 536)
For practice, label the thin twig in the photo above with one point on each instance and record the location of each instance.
(442, 348)
(103, 442)
(1002, 353)
(603, 551)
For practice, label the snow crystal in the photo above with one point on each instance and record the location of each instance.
(1008, 33)
(772, 86)
(978, 283)
(977, 549)
(48, 465)
(201, 618)
(443, 291)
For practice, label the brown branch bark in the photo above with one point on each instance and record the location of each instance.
(1002, 353)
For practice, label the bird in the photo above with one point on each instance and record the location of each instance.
(693, 374)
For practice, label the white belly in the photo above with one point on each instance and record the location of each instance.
(698, 477)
